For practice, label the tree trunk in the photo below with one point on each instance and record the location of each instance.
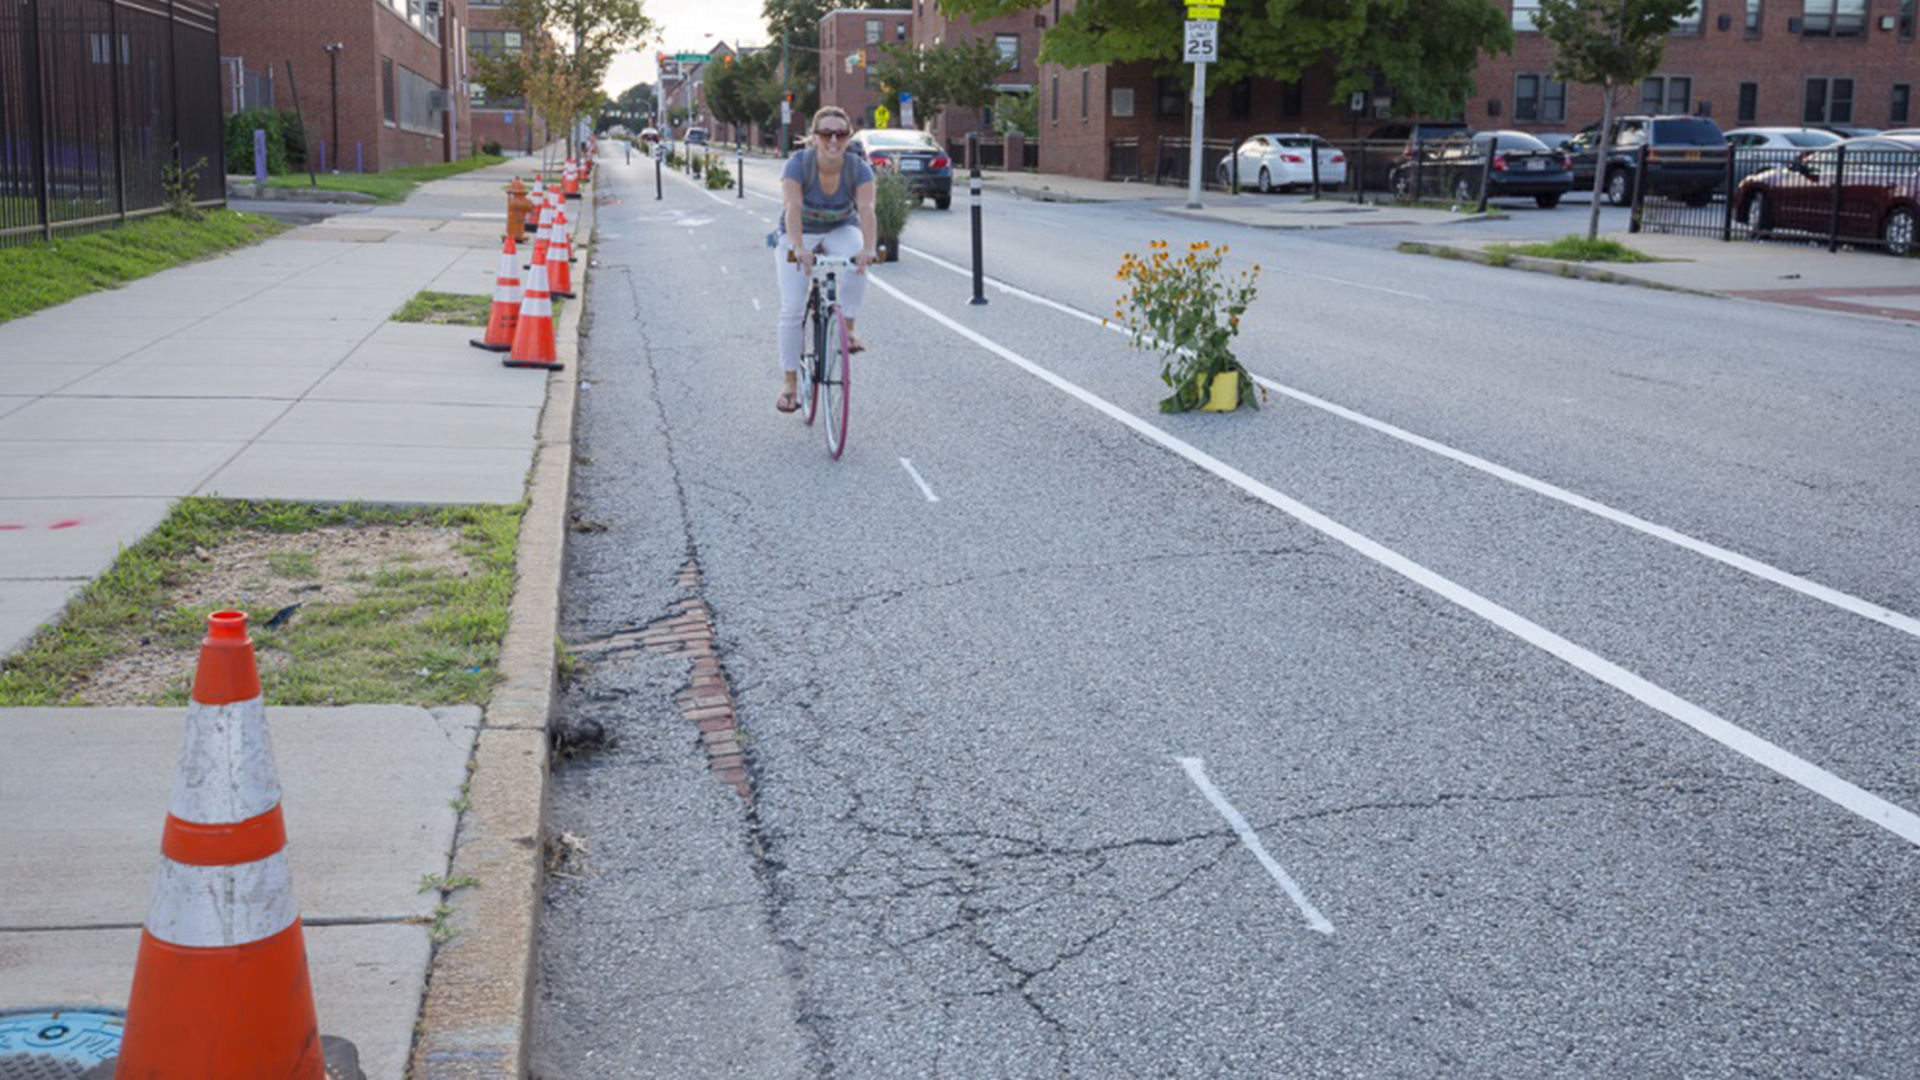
(1600, 148)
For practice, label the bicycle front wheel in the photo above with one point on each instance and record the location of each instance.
(835, 375)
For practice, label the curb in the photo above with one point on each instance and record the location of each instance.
(1537, 265)
(477, 1012)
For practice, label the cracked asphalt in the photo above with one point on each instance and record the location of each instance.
(971, 850)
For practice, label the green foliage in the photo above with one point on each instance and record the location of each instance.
(893, 203)
(1017, 112)
(563, 84)
(1576, 249)
(445, 309)
(719, 177)
(286, 141)
(391, 186)
(1189, 311)
(180, 182)
(41, 274)
(960, 73)
(1425, 50)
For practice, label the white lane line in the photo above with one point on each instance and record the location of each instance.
(925, 488)
(1197, 772)
(756, 303)
(1845, 601)
(724, 271)
(1354, 284)
(1867, 609)
(1866, 805)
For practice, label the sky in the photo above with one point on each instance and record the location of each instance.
(687, 26)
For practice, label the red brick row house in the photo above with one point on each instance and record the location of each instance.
(1741, 62)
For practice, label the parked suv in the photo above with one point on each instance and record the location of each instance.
(1390, 145)
(1686, 158)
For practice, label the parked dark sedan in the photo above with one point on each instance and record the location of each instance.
(915, 155)
(1514, 163)
(1878, 183)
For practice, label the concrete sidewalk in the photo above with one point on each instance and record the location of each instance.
(275, 372)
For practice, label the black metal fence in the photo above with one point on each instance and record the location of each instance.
(1835, 196)
(99, 101)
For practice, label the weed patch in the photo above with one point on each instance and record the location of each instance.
(445, 309)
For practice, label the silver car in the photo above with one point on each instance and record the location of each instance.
(1756, 149)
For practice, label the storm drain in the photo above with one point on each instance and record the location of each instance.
(56, 1044)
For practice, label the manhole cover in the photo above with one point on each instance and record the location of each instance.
(56, 1044)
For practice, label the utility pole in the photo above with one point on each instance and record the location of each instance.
(786, 99)
(333, 73)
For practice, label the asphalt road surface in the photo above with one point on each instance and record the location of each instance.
(1528, 689)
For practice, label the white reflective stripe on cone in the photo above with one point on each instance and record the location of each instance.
(226, 772)
(206, 907)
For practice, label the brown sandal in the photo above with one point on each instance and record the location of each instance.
(788, 401)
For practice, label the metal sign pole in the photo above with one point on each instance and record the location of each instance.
(1199, 126)
(1202, 45)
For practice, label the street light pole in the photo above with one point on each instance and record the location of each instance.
(333, 80)
(786, 98)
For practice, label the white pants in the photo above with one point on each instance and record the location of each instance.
(845, 242)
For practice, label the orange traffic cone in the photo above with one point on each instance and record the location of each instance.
(543, 232)
(505, 315)
(533, 338)
(571, 180)
(220, 987)
(560, 256)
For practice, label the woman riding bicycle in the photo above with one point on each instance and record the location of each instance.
(823, 191)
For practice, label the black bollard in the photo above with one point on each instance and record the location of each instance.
(740, 174)
(658, 184)
(973, 189)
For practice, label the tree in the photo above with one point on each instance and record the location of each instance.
(1425, 50)
(963, 73)
(1612, 44)
(570, 46)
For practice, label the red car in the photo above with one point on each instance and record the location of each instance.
(1878, 182)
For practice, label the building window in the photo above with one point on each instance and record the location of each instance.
(387, 104)
(1829, 101)
(1240, 99)
(873, 31)
(1290, 96)
(1086, 91)
(1122, 102)
(1906, 20)
(493, 42)
(1667, 94)
(1172, 97)
(1834, 18)
(1749, 104)
(1523, 13)
(900, 31)
(1692, 22)
(1009, 46)
(1897, 113)
(1056, 99)
(1538, 96)
(1753, 18)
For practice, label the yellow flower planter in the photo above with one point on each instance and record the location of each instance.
(1223, 393)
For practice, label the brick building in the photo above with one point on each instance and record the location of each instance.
(503, 120)
(850, 42)
(381, 83)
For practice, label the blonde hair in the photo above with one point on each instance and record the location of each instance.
(829, 110)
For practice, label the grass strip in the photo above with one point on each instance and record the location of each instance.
(446, 309)
(42, 274)
(409, 635)
(1573, 249)
(391, 186)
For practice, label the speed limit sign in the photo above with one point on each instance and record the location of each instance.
(1203, 42)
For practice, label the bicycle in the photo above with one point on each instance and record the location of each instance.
(825, 352)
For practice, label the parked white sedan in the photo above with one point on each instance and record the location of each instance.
(1283, 161)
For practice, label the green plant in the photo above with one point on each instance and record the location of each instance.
(719, 176)
(1189, 310)
(893, 203)
(1576, 249)
(491, 148)
(179, 182)
(445, 309)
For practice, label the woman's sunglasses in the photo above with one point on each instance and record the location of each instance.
(832, 133)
